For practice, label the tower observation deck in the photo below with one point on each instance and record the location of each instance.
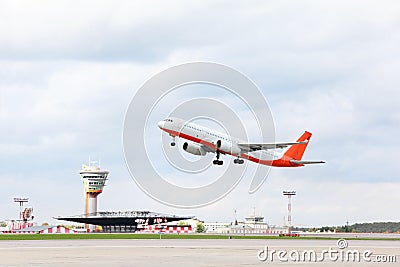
(94, 180)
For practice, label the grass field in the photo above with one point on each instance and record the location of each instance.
(158, 236)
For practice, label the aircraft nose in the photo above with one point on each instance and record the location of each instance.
(161, 124)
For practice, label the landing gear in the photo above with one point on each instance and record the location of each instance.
(173, 141)
(217, 161)
(238, 161)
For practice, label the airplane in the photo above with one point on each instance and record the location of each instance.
(202, 140)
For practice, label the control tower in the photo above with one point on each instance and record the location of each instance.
(94, 180)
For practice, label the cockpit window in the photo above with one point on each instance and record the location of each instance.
(168, 120)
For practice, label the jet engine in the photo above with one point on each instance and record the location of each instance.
(194, 149)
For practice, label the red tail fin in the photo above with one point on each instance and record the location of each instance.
(296, 151)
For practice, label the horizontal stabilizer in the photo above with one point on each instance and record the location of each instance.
(304, 162)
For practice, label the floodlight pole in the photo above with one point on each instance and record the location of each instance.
(21, 202)
(289, 194)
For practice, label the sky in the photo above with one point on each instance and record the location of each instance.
(69, 70)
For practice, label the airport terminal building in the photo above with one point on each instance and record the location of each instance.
(253, 225)
(124, 221)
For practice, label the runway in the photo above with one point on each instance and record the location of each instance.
(176, 252)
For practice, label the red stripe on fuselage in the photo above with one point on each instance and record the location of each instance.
(282, 162)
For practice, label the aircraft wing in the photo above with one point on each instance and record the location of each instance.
(249, 147)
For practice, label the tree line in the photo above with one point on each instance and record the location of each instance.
(375, 227)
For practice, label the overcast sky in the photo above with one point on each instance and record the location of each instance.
(68, 71)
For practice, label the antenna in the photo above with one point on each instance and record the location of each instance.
(236, 222)
(254, 218)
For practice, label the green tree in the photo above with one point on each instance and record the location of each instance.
(183, 223)
(199, 227)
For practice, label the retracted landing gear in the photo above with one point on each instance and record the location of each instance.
(217, 161)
